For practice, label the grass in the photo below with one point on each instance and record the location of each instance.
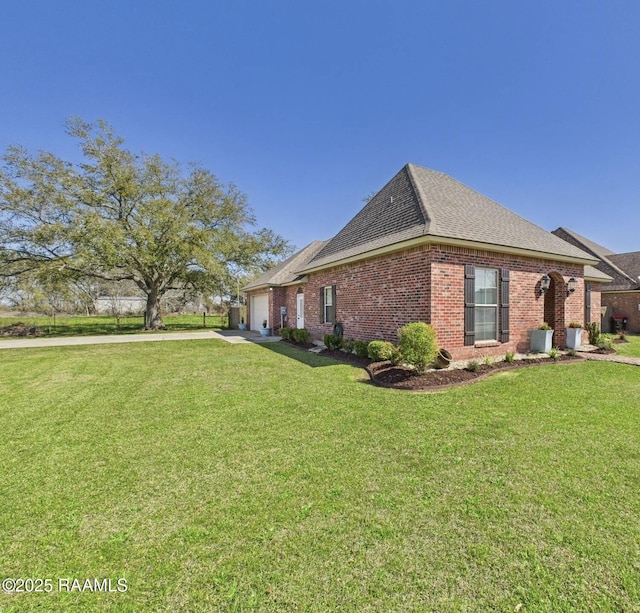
(216, 477)
(76, 325)
(630, 349)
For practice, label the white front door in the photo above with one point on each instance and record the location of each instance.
(299, 310)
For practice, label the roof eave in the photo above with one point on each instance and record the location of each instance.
(443, 240)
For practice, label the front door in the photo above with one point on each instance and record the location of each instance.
(300, 311)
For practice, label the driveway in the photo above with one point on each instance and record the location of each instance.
(230, 336)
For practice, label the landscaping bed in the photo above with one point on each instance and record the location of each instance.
(385, 374)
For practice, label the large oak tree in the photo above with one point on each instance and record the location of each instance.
(117, 216)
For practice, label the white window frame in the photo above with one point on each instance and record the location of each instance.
(486, 307)
(328, 302)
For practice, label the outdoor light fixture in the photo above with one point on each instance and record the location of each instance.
(545, 283)
(571, 285)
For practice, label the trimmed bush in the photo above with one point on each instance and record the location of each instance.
(380, 351)
(300, 335)
(331, 341)
(286, 333)
(361, 348)
(418, 345)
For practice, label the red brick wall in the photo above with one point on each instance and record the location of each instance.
(623, 303)
(278, 297)
(377, 296)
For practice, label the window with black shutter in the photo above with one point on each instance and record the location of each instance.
(469, 304)
(486, 305)
(504, 305)
(328, 304)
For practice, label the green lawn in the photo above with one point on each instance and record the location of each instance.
(217, 477)
(77, 325)
(630, 349)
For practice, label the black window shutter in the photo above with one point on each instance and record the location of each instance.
(334, 308)
(504, 306)
(469, 304)
(587, 303)
(322, 305)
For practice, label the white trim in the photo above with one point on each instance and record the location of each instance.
(439, 240)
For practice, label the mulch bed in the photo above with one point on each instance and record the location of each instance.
(387, 375)
(20, 329)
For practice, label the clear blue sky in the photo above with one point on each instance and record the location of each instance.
(310, 106)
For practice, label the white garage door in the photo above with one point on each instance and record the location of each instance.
(259, 311)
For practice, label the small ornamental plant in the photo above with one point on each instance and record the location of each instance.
(594, 332)
(332, 341)
(544, 326)
(575, 324)
(473, 366)
(348, 345)
(418, 345)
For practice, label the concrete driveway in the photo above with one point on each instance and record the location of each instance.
(230, 336)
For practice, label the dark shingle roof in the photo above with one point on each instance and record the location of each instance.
(286, 272)
(583, 243)
(419, 202)
(593, 274)
(629, 262)
(612, 265)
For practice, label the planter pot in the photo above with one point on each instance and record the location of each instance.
(443, 359)
(242, 327)
(265, 331)
(573, 337)
(541, 341)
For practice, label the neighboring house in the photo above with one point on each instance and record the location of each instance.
(428, 248)
(621, 297)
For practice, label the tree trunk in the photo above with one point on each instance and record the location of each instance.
(153, 320)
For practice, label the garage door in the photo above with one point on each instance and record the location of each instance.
(259, 310)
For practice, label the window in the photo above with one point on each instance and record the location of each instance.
(328, 304)
(486, 305)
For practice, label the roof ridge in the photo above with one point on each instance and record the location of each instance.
(420, 196)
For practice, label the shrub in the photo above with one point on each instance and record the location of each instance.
(594, 332)
(473, 366)
(418, 345)
(300, 335)
(348, 345)
(362, 349)
(554, 353)
(382, 350)
(488, 360)
(286, 333)
(509, 357)
(604, 342)
(331, 341)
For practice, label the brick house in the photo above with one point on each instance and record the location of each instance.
(621, 297)
(428, 248)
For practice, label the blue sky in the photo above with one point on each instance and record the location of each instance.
(310, 106)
